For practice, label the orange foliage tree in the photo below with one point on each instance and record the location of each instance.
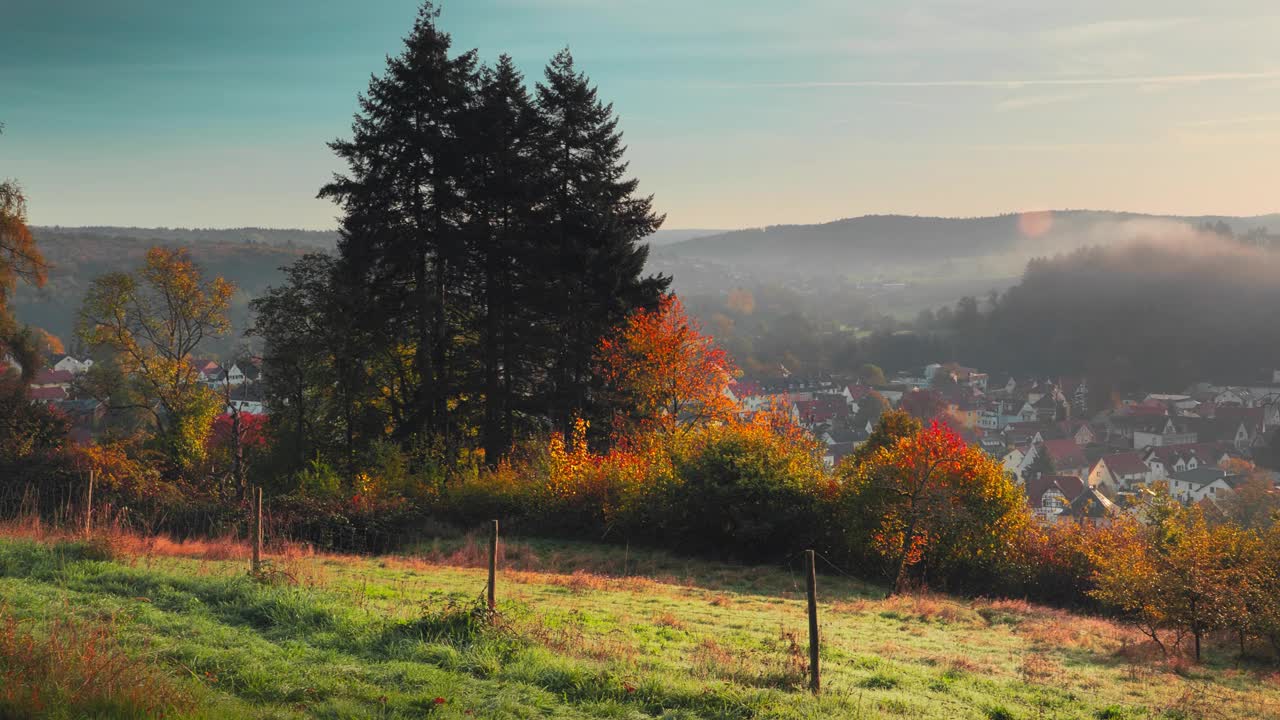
(20, 259)
(928, 498)
(665, 372)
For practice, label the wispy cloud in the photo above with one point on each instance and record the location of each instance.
(1021, 102)
(1014, 83)
(1112, 30)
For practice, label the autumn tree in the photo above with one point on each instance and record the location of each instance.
(153, 320)
(872, 375)
(923, 404)
(20, 259)
(928, 499)
(1253, 503)
(664, 372)
(870, 409)
(1178, 575)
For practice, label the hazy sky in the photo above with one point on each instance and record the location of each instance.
(737, 112)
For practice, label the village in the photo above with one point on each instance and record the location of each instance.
(1200, 444)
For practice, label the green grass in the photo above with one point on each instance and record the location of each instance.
(331, 637)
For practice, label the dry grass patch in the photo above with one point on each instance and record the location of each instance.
(667, 620)
(1038, 668)
(918, 606)
(79, 668)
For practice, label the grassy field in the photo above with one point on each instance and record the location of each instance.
(122, 628)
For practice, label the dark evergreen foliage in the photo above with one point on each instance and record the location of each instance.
(489, 239)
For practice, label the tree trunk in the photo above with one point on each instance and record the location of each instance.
(900, 577)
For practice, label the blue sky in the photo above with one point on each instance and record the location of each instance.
(737, 112)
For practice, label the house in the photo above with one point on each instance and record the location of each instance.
(71, 364)
(1226, 428)
(1048, 407)
(47, 395)
(1178, 402)
(823, 408)
(1091, 507)
(1241, 397)
(1170, 459)
(1079, 431)
(248, 407)
(1067, 457)
(53, 378)
(85, 415)
(1118, 471)
(1140, 430)
(993, 446)
(207, 371)
(1049, 496)
(854, 394)
(964, 412)
(1012, 461)
(1202, 483)
(836, 452)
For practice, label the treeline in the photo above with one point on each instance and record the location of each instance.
(489, 240)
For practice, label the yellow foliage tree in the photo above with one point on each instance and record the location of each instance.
(153, 320)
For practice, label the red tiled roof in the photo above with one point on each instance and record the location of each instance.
(1069, 485)
(1251, 417)
(1169, 454)
(857, 392)
(1129, 463)
(48, 393)
(53, 377)
(1065, 453)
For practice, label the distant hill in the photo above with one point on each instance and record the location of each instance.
(78, 255)
(888, 243)
(315, 239)
(250, 257)
(669, 237)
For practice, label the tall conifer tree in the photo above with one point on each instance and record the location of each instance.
(594, 242)
(403, 204)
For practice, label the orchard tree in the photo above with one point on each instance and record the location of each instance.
(932, 500)
(153, 320)
(1179, 575)
(664, 372)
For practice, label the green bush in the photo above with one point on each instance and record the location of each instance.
(741, 491)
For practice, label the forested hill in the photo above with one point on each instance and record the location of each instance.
(77, 256)
(893, 241)
(1136, 316)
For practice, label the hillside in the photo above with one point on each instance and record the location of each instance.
(895, 243)
(77, 257)
(583, 632)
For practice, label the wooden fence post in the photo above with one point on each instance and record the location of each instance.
(493, 563)
(811, 585)
(257, 530)
(88, 505)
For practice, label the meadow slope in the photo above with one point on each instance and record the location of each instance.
(583, 632)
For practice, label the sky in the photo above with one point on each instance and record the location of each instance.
(737, 113)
